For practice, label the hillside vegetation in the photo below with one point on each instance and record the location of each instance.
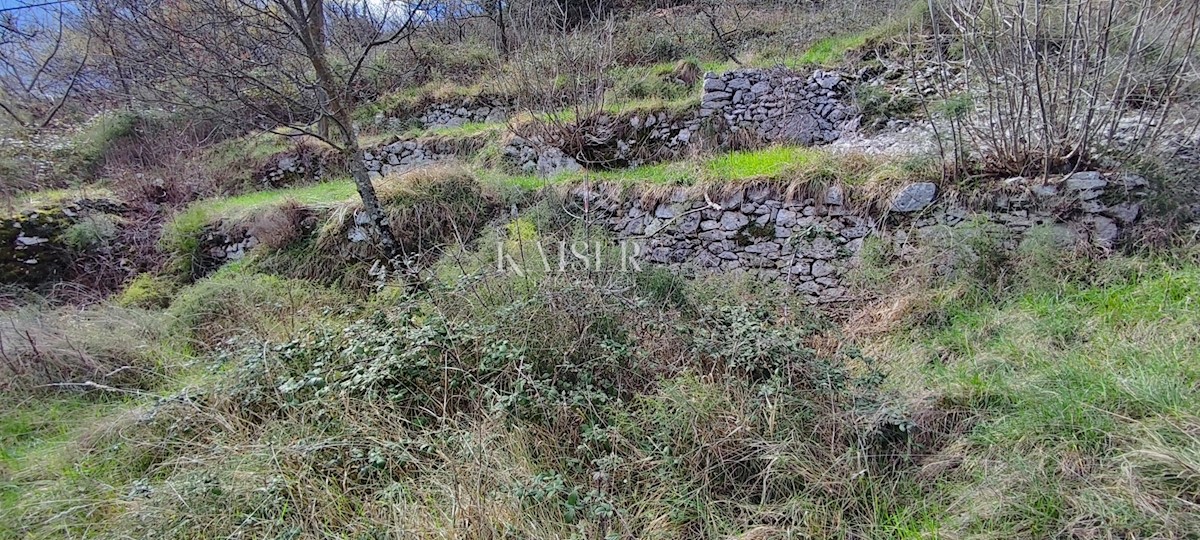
(244, 299)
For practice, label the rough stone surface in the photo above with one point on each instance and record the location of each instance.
(811, 243)
(779, 105)
(914, 197)
(32, 247)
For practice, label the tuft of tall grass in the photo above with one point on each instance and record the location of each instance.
(45, 349)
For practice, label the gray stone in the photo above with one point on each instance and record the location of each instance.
(689, 223)
(732, 221)
(763, 248)
(1104, 231)
(827, 80)
(857, 231)
(1045, 190)
(713, 84)
(1125, 213)
(785, 218)
(1085, 181)
(914, 197)
(23, 240)
(1133, 182)
(709, 97)
(821, 269)
(810, 287)
(738, 84)
(834, 196)
(820, 248)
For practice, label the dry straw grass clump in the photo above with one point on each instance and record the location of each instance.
(43, 348)
(426, 208)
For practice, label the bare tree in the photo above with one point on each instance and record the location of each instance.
(1052, 83)
(724, 20)
(40, 67)
(288, 66)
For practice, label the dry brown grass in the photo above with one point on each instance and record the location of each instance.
(427, 207)
(281, 225)
(43, 349)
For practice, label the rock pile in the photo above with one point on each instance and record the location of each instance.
(291, 168)
(534, 155)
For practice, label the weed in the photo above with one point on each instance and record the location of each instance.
(56, 349)
(90, 232)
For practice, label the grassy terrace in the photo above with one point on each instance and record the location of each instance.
(781, 164)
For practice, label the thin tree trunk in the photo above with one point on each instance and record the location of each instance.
(366, 190)
(345, 127)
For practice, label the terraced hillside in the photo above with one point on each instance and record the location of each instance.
(642, 270)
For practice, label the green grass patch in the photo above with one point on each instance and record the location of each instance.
(657, 82)
(779, 163)
(48, 198)
(242, 206)
(469, 129)
(830, 51)
(768, 164)
(1069, 385)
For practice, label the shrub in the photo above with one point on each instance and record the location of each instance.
(181, 241)
(878, 105)
(96, 139)
(92, 231)
(1057, 83)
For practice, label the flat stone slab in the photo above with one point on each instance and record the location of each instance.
(914, 197)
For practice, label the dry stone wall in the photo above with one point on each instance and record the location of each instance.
(292, 168)
(34, 244)
(455, 114)
(451, 114)
(608, 141)
(812, 243)
(402, 155)
(774, 105)
(778, 105)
